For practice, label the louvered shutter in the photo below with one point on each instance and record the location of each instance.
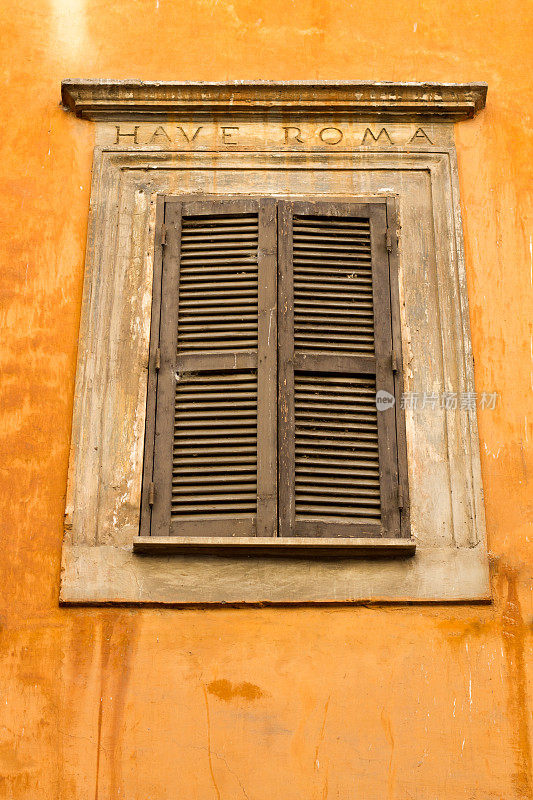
(338, 468)
(214, 464)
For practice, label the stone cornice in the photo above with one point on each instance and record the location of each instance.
(357, 100)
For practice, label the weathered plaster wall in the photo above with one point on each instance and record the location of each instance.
(403, 703)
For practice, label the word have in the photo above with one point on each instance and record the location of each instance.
(289, 135)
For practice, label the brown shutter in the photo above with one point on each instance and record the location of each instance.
(338, 467)
(214, 466)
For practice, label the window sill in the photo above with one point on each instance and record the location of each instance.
(263, 546)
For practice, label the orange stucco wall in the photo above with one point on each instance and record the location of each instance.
(395, 703)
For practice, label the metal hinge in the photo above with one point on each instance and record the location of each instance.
(151, 493)
(163, 234)
(158, 358)
(400, 497)
(394, 361)
(388, 239)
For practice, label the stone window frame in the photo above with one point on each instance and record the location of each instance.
(135, 161)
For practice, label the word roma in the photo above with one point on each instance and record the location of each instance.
(289, 135)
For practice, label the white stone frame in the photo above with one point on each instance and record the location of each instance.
(103, 500)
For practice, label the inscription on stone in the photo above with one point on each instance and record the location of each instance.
(369, 138)
(420, 136)
(268, 135)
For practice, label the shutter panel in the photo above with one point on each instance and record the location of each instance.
(214, 468)
(338, 470)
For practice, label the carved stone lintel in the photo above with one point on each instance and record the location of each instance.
(109, 99)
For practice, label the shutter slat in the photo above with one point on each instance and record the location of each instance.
(230, 344)
(211, 382)
(337, 438)
(217, 462)
(305, 235)
(314, 407)
(240, 290)
(227, 438)
(338, 500)
(213, 450)
(332, 466)
(207, 333)
(323, 247)
(360, 311)
(214, 471)
(353, 334)
(333, 224)
(218, 220)
(350, 286)
(214, 510)
(211, 396)
(216, 244)
(215, 327)
(340, 348)
(355, 515)
(322, 260)
(206, 232)
(328, 449)
(241, 279)
(223, 269)
(196, 305)
(220, 482)
(224, 261)
(352, 283)
(324, 305)
(310, 425)
(322, 481)
(237, 285)
(230, 317)
(240, 411)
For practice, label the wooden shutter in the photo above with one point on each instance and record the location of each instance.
(338, 466)
(214, 463)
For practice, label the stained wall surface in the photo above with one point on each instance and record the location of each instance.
(403, 703)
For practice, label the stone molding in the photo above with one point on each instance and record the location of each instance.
(358, 100)
(103, 498)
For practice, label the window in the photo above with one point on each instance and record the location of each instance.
(275, 363)
(384, 145)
